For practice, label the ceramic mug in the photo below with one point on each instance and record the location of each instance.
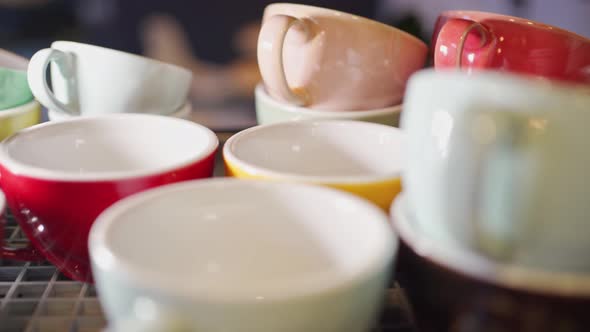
(476, 40)
(270, 110)
(59, 176)
(499, 162)
(91, 80)
(451, 288)
(330, 60)
(14, 89)
(271, 256)
(359, 157)
(19, 117)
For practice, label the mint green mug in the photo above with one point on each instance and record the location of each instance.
(14, 88)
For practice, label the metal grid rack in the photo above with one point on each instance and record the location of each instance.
(36, 297)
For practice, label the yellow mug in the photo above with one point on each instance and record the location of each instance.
(358, 157)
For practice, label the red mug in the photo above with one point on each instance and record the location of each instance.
(480, 40)
(21, 254)
(59, 176)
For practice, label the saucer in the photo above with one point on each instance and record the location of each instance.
(183, 113)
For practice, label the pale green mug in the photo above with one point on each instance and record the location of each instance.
(14, 88)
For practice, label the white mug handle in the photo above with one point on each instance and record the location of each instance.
(501, 146)
(37, 73)
(270, 56)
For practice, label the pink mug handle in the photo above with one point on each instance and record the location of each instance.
(20, 254)
(485, 37)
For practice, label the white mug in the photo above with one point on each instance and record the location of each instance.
(500, 162)
(235, 255)
(91, 80)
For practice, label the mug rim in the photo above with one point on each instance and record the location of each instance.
(27, 107)
(102, 255)
(277, 106)
(179, 69)
(24, 169)
(456, 14)
(13, 61)
(267, 173)
(350, 15)
(461, 261)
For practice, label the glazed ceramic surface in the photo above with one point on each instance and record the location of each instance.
(455, 290)
(271, 256)
(17, 118)
(487, 40)
(59, 176)
(499, 162)
(14, 89)
(269, 110)
(90, 80)
(183, 113)
(329, 60)
(361, 158)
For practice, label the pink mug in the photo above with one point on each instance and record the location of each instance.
(480, 40)
(6, 252)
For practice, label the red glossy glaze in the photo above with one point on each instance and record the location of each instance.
(511, 44)
(57, 215)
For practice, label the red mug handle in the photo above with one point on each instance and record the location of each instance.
(21, 254)
(457, 37)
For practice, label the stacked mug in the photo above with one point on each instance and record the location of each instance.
(318, 63)
(493, 217)
(18, 108)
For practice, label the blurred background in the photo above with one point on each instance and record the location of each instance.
(217, 39)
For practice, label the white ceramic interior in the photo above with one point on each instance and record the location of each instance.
(327, 151)
(182, 113)
(106, 147)
(233, 238)
(453, 256)
(270, 255)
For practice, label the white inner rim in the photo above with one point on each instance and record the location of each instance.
(235, 239)
(326, 151)
(106, 147)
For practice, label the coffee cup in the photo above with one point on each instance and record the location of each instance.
(14, 89)
(329, 60)
(359, 157)
(58, 176)
(19, 117)
(241, 256)
(270, 110)
(92, 80)
(453, 288)
(499, 162)
(479, 40)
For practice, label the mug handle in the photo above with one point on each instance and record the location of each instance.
(21, 254)
(486, 37)
(501, 144)
(271, 41)
(37, 78)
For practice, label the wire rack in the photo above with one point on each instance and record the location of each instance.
(36, 297)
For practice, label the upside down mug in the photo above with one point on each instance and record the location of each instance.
(90, 80)
(330, 60)
(59, 176)
(480, 40)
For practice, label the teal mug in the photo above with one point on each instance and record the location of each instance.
(14, 88)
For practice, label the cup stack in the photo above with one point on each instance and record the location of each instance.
(18, 108)
(321, 63)
(494, 213)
